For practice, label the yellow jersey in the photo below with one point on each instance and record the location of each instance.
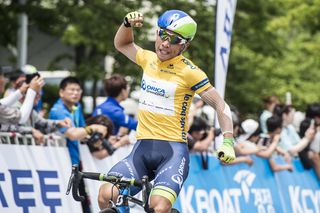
(167, 89)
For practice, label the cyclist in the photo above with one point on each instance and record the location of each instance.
(169, 82)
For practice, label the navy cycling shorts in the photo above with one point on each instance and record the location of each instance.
(165, 162)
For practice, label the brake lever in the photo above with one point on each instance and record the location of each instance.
(74, 171)
(70, 183)
(146, 188)
(73, 183)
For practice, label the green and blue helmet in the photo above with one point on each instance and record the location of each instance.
(178, 22)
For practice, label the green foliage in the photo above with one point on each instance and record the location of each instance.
(274, 50)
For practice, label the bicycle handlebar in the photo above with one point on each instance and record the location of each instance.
(76, 176)
(111, 179)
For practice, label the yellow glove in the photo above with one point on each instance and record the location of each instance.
(226, 152)
(134, 19)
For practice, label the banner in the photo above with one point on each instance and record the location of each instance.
(34, 179)
(299, 192)
(242, 188)
(224, 20)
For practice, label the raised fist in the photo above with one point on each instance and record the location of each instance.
(133, 19)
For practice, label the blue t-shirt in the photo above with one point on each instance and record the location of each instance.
(59, 111)
(112, 109)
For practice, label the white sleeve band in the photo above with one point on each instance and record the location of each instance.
(11, 99)
(27, 106)
(227, 111)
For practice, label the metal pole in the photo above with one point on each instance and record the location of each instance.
(22, 37)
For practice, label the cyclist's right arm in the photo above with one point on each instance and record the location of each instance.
(124, 39)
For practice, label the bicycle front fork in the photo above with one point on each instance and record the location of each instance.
(122, 203)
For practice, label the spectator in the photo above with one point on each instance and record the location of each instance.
(246, 143)
(200, 135)
(248, 135)
(313, 112)
(29, 72)
(117, 90)
(290, 140)
(310, 156)
(274, 126)
(36, 124)
(67, 106)
(251, 141)
(103, 146)
(14, 115)
(15, 79)
(269, 103)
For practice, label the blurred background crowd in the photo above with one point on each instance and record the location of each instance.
(277, 131)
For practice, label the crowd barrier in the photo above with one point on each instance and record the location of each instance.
(27, 139)
(34, 179)
(243, 188)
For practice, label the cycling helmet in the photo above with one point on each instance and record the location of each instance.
(178, 22)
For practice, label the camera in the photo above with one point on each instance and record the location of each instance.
(29, 77)
(96, 142)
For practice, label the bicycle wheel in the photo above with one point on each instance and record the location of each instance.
(109, 210)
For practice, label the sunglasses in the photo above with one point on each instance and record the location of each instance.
(172, 38)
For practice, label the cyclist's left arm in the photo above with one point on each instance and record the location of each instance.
(211, 97)
(200, 84)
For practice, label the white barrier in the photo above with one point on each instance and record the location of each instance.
(34, 179)
(17, 138)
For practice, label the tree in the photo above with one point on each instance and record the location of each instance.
(274, 50)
